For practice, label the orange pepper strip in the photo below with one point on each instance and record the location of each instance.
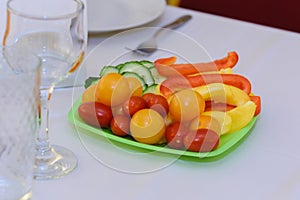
(166, 66)
(166, 61)
(257, 101)
(171, 84)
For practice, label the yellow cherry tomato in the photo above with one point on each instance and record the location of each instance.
(135, 86)
(89, 95)
(206, 122)
(185, 105)
(147, 126)
(112, 89)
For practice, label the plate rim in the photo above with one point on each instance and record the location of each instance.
(162, 5)
(217, 153)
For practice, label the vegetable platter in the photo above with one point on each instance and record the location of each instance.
(197, 111)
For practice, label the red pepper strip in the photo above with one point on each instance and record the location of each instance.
(213, 106)
(171, 84)
(257, 101)
(166, 66)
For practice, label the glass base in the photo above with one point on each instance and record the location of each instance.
(61, 162)
(26, 196)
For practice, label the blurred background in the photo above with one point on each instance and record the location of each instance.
(283, 14)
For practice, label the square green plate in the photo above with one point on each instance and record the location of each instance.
(227, 142)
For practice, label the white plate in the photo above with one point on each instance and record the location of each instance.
(113, 15)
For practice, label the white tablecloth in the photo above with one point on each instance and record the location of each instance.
(266, 166)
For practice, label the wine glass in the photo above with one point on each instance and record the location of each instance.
(53, 30)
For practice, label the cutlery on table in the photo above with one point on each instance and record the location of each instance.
(149, 46)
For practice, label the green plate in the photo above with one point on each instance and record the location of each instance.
(227, 142)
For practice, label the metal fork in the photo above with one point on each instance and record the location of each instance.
(149, 46)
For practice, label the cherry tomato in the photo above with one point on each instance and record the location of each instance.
(148, 96)
(206, 122)
(95, 114)
(117, 110)
(157, 102)
(134, 104)
(112, 89)
(201, 140)
(135, 86)
(89, 94)
(186, 105)
(119, 125)
(147, 126)
(175, 134)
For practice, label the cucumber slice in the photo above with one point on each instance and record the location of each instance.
(150, 89)
(147, 63)
(107, 70)
(119, 66)
(156, 76)
(139, 69)
(135, 75)
(90, 81)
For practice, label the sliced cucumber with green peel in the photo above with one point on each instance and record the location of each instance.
(156, 76)
(150, 89)
(147, 63)
(143, 70)
(119, 66)
(135, 75)
(90, 81)
(107, 70)
(139, 69)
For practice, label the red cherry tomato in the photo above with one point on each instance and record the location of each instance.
(201, 140)
(157, 102)
(95, 114)
(120, 124)
(175, 134)
(134, 104)
(148, 96)
(117, 110)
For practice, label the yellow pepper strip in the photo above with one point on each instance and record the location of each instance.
(219, 92)
(221, 71)
(236, 118)
(241, 115)
(223, 118)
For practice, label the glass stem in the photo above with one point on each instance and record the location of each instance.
(43, 147)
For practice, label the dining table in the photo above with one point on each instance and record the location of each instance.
(265, 165)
